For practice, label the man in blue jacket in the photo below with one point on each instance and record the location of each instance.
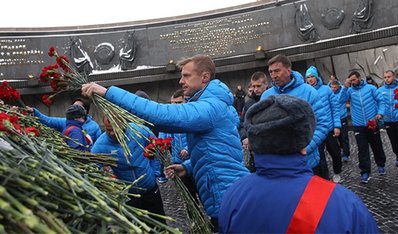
(367, 107)
(137, 166)
(283, 196)
(207, 118)
(331, 108)
(388, 92)
(286, 81)
(58, 123)
(343, 138)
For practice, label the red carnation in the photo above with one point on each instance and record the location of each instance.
(47, 99)
(32, 131)
(372, 125)
(52, 52)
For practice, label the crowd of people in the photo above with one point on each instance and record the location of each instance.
(286, 123)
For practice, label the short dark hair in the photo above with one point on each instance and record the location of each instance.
(178, 93)
(334, 82)
(392, 72)
(354, 73)
(258, 75)
(280, 58)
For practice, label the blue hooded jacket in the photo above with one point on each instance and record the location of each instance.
(386, 92)
(214, 145)
(59, 123)
(265, 201)
(137, 166)
(366, 103)
(178, 143)
(297, 88)
(330, 102)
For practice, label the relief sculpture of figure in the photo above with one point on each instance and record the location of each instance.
(80, 57)
(305, 27)
(127, 52)
(331, 18)
(363, 17)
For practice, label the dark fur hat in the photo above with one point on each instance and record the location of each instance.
(280, 124)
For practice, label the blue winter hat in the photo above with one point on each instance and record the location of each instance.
(312, 71)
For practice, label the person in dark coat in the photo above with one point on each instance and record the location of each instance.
(283, 195)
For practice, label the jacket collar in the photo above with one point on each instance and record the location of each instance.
(291, 165)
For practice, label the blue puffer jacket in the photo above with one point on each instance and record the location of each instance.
(342, 105)
(365, 103)
(78, 140)
(297, 88)
(58, 123)
(179, 143)
(265, 201)
(330, 102)
(137, 166)
(213, 141)
(386, 92)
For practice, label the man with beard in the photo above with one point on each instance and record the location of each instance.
(367, 108)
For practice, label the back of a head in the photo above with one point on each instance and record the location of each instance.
(85, 101)
(142, 94)
(202, 62)
(280, 124)
(178, 93)
(75, 112)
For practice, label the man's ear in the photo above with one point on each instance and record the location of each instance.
(206, 77)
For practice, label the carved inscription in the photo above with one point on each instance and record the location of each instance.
(16, 52)
(216, 37)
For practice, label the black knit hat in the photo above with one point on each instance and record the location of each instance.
(75, 111)
(280, 124)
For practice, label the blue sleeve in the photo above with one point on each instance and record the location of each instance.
(344, 95)
(235, 116)
(322, 128)
(58, 123)
(188, 167)
(188, 117)
(381, 103)
(335, 110)
(184, 141)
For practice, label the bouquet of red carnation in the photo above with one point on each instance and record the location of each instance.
(372, 125)
(10, 94)
(160, 148)
(9, 123)
(62, 76)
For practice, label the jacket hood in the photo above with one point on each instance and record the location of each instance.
(361, 84)
(296, 80)
(393, 85)
(215, 88)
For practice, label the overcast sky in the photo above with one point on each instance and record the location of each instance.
(50, 13)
